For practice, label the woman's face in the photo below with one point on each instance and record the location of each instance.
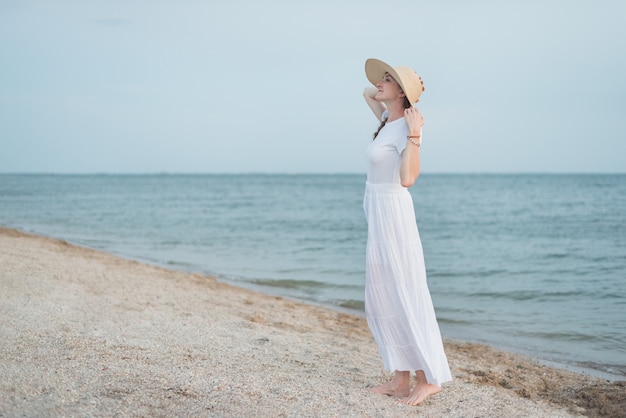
(388, 89)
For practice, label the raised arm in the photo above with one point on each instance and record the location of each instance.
(377, 107)
(410, 164)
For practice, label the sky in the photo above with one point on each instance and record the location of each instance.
(275, 86)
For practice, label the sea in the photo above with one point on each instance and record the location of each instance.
(529, 263)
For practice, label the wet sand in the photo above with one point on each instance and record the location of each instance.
(86, 333)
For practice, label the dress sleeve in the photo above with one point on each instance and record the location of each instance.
(400, 144)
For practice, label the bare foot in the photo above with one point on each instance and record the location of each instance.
(419, 394)
(393, 389)
(400, 385)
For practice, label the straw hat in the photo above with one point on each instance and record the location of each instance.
(408, 79)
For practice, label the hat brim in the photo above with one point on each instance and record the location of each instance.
(375, 70)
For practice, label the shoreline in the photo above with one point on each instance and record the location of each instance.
(556, 364)
(90, 333)
(598, 372)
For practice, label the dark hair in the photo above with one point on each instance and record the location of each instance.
(407, 105)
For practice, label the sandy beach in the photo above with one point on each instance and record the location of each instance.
(86, 333)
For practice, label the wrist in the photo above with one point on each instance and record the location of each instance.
(415, 140)
(370, 92)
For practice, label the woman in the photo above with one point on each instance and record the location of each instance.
(398, 305)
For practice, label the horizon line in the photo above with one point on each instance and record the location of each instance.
(303, 173)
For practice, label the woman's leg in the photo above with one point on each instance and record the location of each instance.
(421, 391)
(399, 386)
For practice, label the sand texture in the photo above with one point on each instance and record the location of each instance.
(86, 333)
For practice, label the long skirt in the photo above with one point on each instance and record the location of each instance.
(398, 306)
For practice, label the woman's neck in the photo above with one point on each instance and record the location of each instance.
(395, 110)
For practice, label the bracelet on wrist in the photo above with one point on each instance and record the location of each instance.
(412, 141)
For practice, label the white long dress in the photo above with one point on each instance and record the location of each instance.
(398, 305)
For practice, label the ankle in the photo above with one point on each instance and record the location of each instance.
(402, 378)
